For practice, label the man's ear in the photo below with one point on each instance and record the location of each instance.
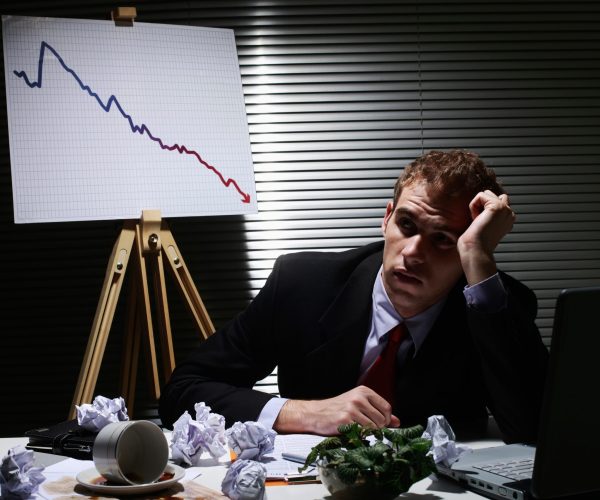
(389, 210)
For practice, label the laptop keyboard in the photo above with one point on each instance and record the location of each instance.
(513, 469)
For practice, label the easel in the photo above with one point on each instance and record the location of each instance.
(151, 243)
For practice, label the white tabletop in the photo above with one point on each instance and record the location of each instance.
(430, 488)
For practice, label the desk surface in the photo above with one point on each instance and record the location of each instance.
(431, 488)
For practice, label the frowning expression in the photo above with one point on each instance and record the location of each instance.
(420, 257)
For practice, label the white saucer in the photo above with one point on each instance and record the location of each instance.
(90, 477)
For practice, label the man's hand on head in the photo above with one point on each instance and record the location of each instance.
(492, 218)
(361, 405)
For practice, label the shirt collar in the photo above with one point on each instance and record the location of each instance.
(385, 316)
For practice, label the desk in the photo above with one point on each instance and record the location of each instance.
(430, 488)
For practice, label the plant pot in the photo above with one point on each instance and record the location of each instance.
(363, 488)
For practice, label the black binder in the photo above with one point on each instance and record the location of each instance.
(66, 438)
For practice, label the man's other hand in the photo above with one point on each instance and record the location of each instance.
(361, 405)
(492, 218)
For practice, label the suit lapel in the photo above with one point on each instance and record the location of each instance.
(344, 327)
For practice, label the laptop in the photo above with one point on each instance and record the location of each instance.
(565, 461)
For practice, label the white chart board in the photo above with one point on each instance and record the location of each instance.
(106, 121)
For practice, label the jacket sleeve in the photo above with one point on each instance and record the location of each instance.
(223, 369)
(513, 362)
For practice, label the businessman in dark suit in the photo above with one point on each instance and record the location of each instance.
(323, 319)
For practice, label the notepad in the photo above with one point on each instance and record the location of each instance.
(299, 445)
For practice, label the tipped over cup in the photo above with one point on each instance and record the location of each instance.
(131, 452)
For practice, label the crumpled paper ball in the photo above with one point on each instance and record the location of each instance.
(245, 480)
(101, 412)
(250, 440)
(18, 477)
(191, 437)
(444, 448)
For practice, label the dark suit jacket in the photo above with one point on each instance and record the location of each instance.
(311, 320)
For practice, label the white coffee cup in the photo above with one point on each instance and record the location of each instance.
(131, 452)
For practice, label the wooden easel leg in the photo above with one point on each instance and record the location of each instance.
(131, 348)
(103, 318)
(186, 286)
(144, 303)
(164, 319)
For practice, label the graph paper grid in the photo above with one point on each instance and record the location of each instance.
(107, 121)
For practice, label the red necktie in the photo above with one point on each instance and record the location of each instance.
(381, 375)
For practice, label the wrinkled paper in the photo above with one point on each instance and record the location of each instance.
(245, 480)
(101, 412)
(250, 440)
(191, 437)
(18, 477)
(444, 448)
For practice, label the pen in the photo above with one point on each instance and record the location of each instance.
(302, 479)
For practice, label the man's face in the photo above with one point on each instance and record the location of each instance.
(420, 258)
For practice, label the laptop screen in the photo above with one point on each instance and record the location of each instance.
(566, 459)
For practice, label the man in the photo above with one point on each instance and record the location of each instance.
(323, 319)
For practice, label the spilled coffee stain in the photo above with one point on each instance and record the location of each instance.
(67, 488)
(61, 486)
(199, 492)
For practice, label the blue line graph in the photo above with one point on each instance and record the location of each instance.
(141, 129)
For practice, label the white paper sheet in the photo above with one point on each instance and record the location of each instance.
(107, 121)
(297, 444)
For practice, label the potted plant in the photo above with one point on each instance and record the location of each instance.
(363, 462)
